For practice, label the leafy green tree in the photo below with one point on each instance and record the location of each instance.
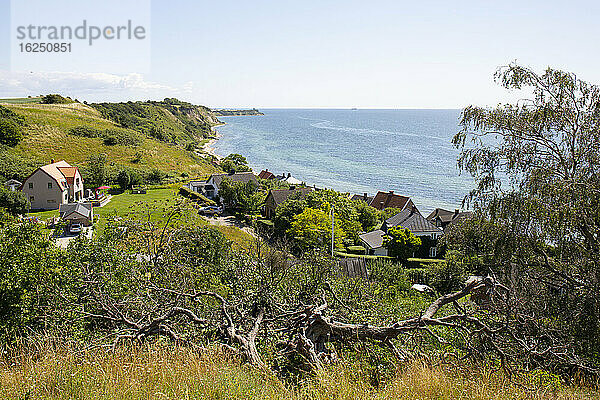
(401, 243)
(285, 213)
(536, 164)
(97, 169)
(10, 132)
(156, 176)
(367, 216)
(235, 163)
(344, 209)
(124, 179)
(30, 271)
(312, 229)
(15, 203)
(241, 195)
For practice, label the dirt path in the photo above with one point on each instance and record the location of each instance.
(230, 220)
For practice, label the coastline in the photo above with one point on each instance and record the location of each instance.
(208, 147)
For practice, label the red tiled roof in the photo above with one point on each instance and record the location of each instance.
(266, 174)
(384, 200)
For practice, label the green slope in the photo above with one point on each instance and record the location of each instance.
(47, 137)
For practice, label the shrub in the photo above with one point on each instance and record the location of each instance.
(155, 176)
(10, 132)
(122, 137)
(449, 275)
(55, 99)
(124, 179)
(13, 166)
(389, 273)
(85, 131)
(356, 249)
(14, 202)
(6, 113)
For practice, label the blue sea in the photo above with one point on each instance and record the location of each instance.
(357, 151)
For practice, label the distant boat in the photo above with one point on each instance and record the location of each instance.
(354, 108)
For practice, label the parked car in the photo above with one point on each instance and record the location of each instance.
(211, 210)
(75, 229)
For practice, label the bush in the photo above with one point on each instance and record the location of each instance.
(356, 249)
(156, 176)
(85, 131)
(10, 132)
(56, 99)
(121, 137)
(449, 275)
(389, 273)
(14, 202)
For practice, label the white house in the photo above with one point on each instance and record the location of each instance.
(52, 185)
(210, 187)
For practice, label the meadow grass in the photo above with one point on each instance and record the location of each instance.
(165, 371)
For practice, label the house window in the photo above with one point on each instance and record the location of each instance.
(49, 185)
(30, 185)
(77, 182)
(432, 252)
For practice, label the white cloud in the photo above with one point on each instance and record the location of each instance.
(86, 86)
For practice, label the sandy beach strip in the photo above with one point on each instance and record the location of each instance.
(208, 147)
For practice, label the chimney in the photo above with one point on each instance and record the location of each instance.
(455, 212)
(391, 192)
(52, 161)
(381, 203)
(365, 196)
(289, 174)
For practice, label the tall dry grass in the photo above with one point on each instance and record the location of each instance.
(162, 371)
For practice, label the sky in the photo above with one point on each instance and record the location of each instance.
(322, 54)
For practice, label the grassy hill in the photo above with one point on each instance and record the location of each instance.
(48, 135)
(170, 120)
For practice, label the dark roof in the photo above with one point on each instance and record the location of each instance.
(281, 195)
(266, 174)
(446, 217)
(443, 215)
(411, 219)
(367, 199)
(244, 177)
(384, 200)
(83, 209)
(373, 239)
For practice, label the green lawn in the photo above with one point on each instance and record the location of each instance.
(125, 204)
(153, 206)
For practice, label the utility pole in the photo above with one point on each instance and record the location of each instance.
(332, 234)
